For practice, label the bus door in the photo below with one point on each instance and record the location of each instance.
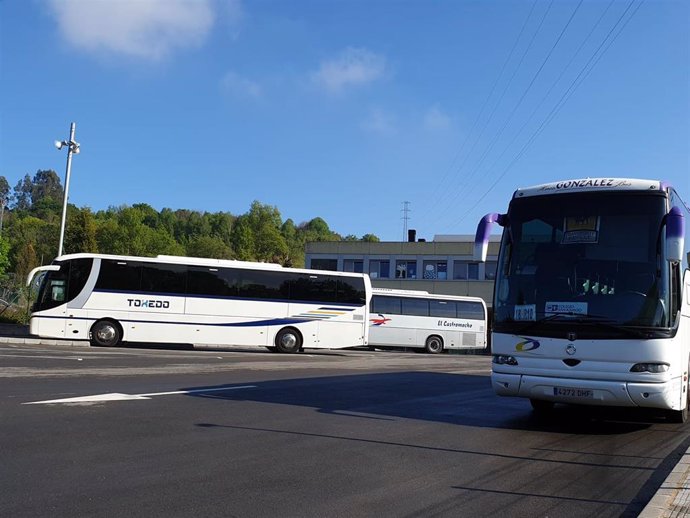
(51, 281)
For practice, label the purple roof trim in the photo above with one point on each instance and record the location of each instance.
(484, 228)
(675, 223)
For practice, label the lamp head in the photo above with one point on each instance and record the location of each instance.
(58, 144)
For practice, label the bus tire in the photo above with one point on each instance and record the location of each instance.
(679, 416)
(541, 406)
(288, 340)
(105, 333)
(434, 344)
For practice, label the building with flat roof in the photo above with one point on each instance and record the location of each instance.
(444, 265)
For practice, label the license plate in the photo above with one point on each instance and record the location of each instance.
(573, 392)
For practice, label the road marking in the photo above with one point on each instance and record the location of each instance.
(40, 357)
(117, 396)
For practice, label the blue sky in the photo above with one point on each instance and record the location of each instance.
(344, 109)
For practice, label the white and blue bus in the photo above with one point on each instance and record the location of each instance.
(168, 299)
(422, 320)
(592, 295)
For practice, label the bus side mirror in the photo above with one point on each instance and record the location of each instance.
(675, 235)
(481, 238)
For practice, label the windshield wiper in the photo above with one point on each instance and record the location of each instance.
(597, 320)
(609, 323)
(553, 316)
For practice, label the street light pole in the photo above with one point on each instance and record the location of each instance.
(72, 147)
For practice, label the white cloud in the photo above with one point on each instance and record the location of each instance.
(146, 29)
(379, 122)
(436, 120)
(353, 67)
(240, 86)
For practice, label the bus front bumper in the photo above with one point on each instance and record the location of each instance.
(590, 392)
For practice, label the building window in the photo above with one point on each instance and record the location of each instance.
(490, 270)
(379, 269)
(463, 270)
(324, 264)
(406, 270)
(353, 265)
(436, 270)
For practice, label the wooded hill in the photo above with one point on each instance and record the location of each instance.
(30, 227)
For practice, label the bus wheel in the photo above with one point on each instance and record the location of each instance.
(288, 340)
(434, 345)
(541, 406)
(679, 416)
(105, 333)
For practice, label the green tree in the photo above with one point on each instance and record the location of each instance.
(25, 237)
(157, 241)
(150, 216)
(209, 246)
(80, 231)
(46, 184)
(221, 224)
(4, 190)
(317, 230)
(4, 256)
(268, 243)
(295, 246)
(243, 239)
(21, 198)
(371, 238)
(4, 199)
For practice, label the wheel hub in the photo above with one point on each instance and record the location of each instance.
(288, 340)
(106, 333)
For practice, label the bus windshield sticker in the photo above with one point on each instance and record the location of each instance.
(565, 308)
(580, 229)
(524, 312)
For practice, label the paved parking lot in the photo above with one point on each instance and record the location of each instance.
(218, 432)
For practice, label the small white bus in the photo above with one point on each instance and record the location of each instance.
(108, 299)
(418, 319)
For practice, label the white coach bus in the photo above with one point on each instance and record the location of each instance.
(592, 295)
(406, 318)
(108, 299)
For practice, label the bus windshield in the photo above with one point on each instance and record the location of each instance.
(584, 262)
(63, 285)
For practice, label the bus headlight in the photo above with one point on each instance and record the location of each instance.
(654, 368)
(504, 359)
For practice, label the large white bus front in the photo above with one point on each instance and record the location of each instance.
(588, 296)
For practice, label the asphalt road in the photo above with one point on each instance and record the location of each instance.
(339, 433)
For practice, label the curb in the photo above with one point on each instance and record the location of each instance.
(28, 340)
(672, 499)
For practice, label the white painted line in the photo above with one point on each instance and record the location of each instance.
(195, 391)
(40, 357)
(116, 396)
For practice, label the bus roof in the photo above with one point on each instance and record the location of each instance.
(391, 292)
(201, 261)
(590, 185)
